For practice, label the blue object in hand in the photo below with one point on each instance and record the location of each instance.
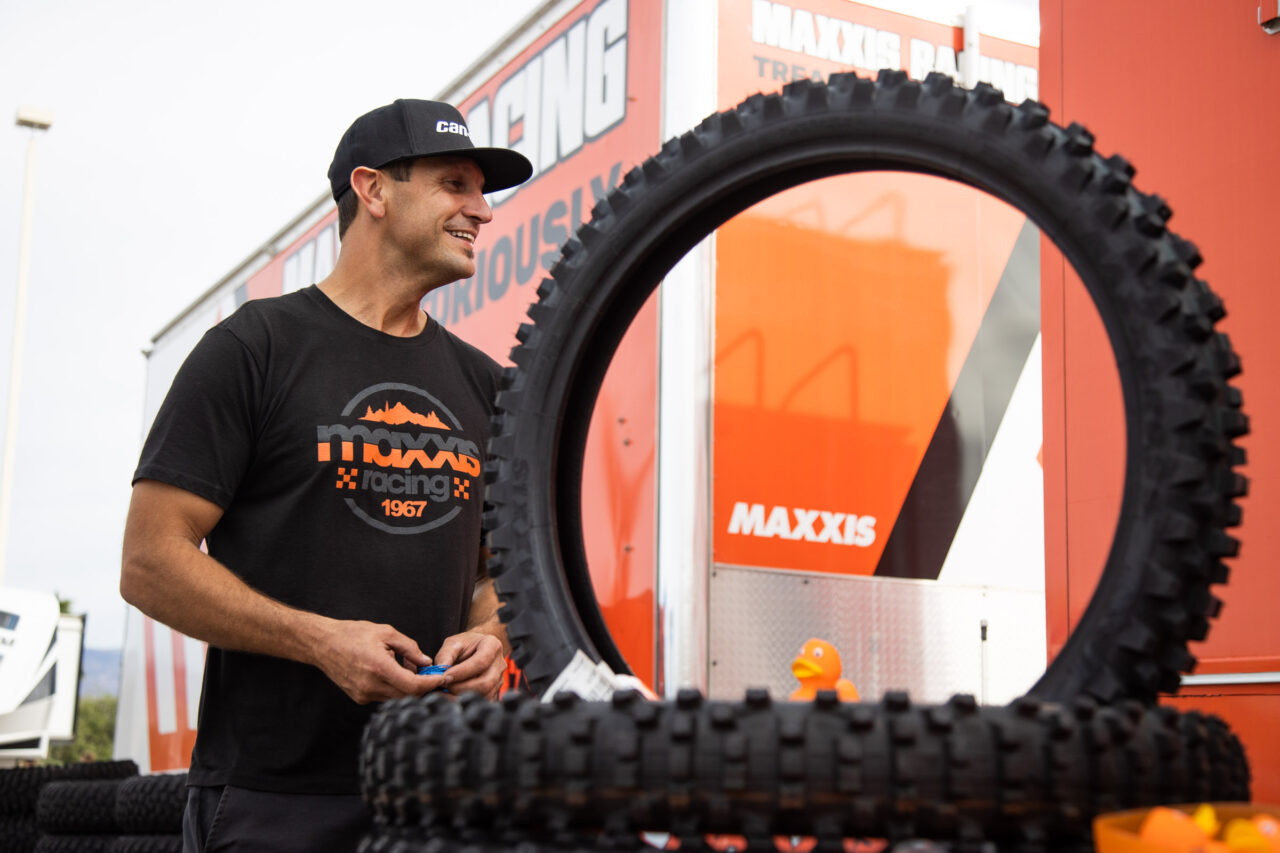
(435, 669)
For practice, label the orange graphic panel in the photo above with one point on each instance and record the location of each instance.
(845, 310)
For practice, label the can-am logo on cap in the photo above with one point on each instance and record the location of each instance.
(443, 126)
(399, 460)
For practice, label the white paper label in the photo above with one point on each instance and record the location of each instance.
(591, 681)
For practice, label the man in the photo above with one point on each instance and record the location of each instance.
(327, 446)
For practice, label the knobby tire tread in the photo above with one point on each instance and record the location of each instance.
(20, 787)
(151, 804)
(67, 807)
(1030, 773)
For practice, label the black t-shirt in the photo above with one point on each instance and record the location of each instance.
(348, 466)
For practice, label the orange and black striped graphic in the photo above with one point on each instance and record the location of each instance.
(940, 492)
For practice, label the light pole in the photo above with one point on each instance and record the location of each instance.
(36, 119)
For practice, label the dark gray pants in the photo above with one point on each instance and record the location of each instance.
(244, 821)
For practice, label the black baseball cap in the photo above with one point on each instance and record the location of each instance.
(416, 128)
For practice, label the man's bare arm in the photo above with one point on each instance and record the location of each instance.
(166, 575)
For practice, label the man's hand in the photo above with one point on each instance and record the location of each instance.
(361, 658)
(475, 663)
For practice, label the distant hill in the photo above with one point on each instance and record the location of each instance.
(100, 672)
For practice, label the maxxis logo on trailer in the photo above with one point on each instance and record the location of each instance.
(866, 47)
(830, 38)
(794, 523)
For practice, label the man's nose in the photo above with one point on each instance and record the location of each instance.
(478, 208)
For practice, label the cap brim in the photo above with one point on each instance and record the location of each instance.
(503, 168)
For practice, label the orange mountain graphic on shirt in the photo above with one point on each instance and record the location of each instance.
(401, 414)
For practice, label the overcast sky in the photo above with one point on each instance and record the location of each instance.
(184, 135)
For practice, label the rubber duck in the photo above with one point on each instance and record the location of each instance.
(817, 667)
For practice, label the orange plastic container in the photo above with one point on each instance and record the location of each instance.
(1117, 832)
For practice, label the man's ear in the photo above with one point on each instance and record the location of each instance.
(369, 186)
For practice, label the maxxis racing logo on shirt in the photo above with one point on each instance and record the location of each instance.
(399, 460)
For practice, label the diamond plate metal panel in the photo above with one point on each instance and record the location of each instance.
(927, 637)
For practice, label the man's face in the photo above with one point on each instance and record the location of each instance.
(437, 214)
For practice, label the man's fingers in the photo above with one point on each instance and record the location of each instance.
(372, 663)
(485, 682)
(478, 660)
(452, 650)
(464, 670)
(407, 649)
(460, 647)
(407, 683)
(476, 663)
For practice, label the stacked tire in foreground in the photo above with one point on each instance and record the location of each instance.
(98, 806)
(580, 773)
(149, 813)
(1031, 774)
(20, 791)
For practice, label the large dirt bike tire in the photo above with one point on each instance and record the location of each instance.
(1182, 416)
(68, 807)
(151, 804)
(20, 787)
(526, 770)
